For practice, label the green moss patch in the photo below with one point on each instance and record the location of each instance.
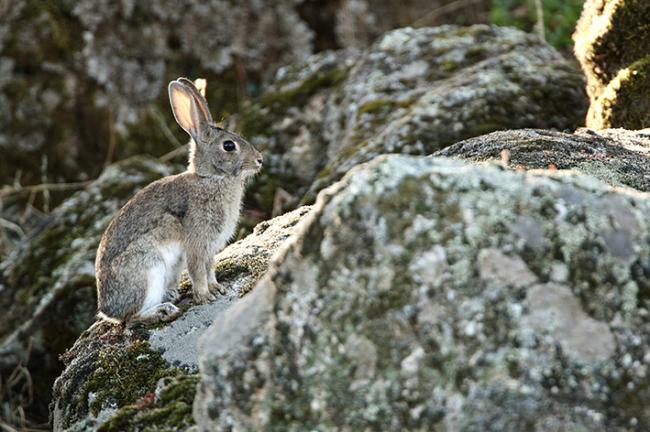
(625, 103)
(611, 35)
(294, 96)
(171, 411)
(125, 374)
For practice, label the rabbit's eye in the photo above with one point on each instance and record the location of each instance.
(229, 145)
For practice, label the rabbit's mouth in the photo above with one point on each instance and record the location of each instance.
(251, 170)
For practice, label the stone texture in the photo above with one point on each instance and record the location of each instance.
(415, 299)
(610, 35)
(84, 81)
(414, 91)
(618, 157)
(612, 43)
(624, 102)
(117, 380)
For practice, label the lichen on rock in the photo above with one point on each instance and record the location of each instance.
(624, 102)
(413, 91)
(617, 157)
(49, 294)
(145, 376)
(422, 295)
(612, 43)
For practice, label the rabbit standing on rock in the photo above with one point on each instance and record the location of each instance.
(177, 220)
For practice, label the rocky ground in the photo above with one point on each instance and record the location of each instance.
(492, 276)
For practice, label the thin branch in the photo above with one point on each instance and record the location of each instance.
(24, 190)
(7, 224)
(46, 192)
(111, 139)
(172, 154)
(539, 25)
(155, 113)
(430, 17)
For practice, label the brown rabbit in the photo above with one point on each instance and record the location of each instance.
(177, 220)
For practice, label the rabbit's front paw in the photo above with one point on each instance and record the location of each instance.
(204, 297)
(215, 287)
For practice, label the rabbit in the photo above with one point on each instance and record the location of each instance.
(178, 220)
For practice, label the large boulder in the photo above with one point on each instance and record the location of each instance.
(414, 91)
(429, 294)
(47, 286)
(617, 157)
(612, 43)
(144, 377)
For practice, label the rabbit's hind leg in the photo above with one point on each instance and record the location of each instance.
(172, 279)
(159, 313)
(156, 306)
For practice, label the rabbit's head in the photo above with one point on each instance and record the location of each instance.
(214, 151)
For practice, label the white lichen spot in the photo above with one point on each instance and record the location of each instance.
(411, 363)
(395, 40)
(427, 269)
(363, 354)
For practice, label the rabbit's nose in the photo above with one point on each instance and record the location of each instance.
(259, 161)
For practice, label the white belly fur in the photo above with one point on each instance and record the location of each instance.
(164, 273)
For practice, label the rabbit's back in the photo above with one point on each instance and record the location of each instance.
(151, 208)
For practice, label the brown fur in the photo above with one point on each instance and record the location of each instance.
(191, 215)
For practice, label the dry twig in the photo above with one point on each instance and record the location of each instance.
(430, 17)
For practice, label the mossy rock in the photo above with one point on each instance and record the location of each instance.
(430, 294)
(625, 102)
(413, 91)
(49, 294)
(617, 157)
(145, 377)
(170, 411)
(117, 381)
(610, 36)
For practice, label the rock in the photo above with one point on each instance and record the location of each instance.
(615, 156)
(117, 380)
(47, 287)
(610, 36)
(612, 43)
(624, 102)
(413, 91)
(82, 82)
(85, 81)
(424, 293)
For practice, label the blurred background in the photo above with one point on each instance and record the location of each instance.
(82, 83)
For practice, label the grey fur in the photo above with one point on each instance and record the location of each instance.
(195, 212)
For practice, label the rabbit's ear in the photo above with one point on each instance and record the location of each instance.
(186, 109)
(198, 95)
